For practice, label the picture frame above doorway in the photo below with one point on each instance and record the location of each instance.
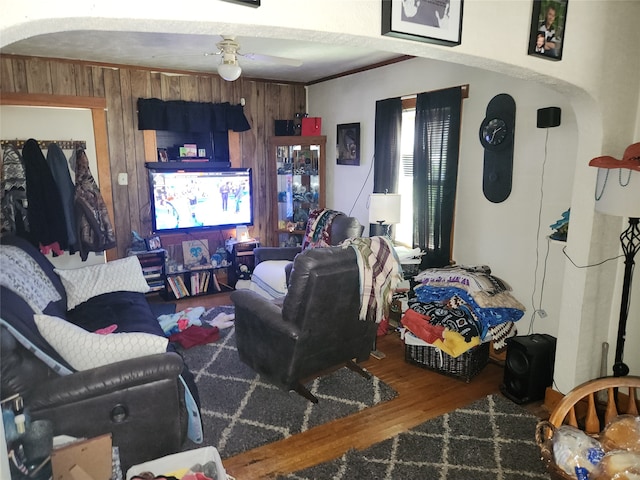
(430, 21)
(348, 144)
(548, 22)
(249, 3)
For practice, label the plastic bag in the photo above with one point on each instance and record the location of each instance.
(622, 433)
(575, 452)
(617, 465)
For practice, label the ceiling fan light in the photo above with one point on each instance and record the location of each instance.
(229, 71)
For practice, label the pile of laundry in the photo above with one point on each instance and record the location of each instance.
(186, 327)
(457, 308)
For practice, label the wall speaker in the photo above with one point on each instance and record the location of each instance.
(548, 117)
(528, 369)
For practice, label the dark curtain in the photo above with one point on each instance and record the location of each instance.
(387, 145)
(435, 173)
(182, 116)
(387, 149)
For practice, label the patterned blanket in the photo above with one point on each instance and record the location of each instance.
(318, 232)
(380, 273)
(34, 288)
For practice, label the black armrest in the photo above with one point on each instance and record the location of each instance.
(139, 401)
(87, 384)
(262, 254)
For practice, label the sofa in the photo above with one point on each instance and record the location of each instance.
(95, 364)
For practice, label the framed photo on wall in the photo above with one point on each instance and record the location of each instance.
(548, 21)
(431, 21)
(348, 144)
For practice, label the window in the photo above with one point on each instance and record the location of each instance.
(404, 230)
(416, 148)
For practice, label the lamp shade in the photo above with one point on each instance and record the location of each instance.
(229, 70)
(618, 183)
(384, 208)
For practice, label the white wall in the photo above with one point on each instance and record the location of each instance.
(500, 235)
(47, 123)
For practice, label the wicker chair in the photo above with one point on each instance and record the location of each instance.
(589, 407)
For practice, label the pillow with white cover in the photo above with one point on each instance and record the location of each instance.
(85, 350)
(84, 283)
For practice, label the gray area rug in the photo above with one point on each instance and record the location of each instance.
(491, 439)
(240, 411)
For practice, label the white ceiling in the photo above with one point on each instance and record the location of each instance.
(164, 51)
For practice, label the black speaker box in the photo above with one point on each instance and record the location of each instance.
(284, 128)
(548, 117)
(528, 369)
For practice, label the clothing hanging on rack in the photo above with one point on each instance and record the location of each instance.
(58, 164)
(13, 200)
(45, 213)
(94, 229)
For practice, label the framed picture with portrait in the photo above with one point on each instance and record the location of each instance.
(431, 21)
(153, 243)
(348, 144)
(163, 155)
(548, 21)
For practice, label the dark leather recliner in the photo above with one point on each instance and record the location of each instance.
(317, 326)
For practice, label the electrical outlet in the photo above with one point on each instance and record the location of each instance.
(542, 313)
(123, 179)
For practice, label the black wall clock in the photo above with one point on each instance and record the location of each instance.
(496, 136)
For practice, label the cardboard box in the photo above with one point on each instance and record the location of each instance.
(90, 459)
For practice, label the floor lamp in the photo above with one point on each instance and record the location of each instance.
(618, 193)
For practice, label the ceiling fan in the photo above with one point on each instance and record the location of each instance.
(229, 50)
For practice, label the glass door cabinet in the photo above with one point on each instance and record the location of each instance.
(299, 169)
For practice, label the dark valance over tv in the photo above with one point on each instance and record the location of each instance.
(197, 196)
(194, 117)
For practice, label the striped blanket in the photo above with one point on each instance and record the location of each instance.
(380, 273)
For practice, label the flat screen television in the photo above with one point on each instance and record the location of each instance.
(199, 196)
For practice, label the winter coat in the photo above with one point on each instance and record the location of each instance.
(94, 229)
(45, 213)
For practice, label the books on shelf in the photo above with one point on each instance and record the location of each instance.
(199, 282)
(172, 285)
(184, 284)
(215, 283)
(178, 287)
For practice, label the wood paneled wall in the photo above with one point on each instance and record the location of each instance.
(121, 86)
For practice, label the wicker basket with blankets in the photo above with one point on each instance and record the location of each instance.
(453, 316)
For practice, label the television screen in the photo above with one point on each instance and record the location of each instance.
(199, 196)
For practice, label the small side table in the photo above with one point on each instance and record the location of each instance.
(241, 254)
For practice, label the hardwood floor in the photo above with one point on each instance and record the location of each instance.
(422, 395)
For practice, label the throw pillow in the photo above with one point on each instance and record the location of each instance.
(85, 350)
(84, 283)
